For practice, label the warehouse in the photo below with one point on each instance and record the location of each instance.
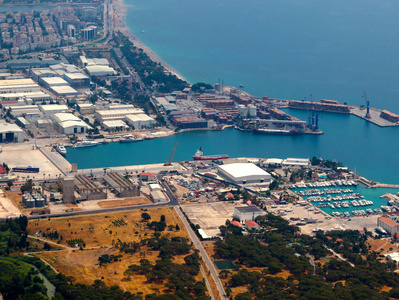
(158, 196)
(40, 73)
(117, 114)
(68, 123)
(64, 90)
(18, 86)
(388, 225)
(247, 213)
(116, 125)
(296, 162)
(35, 96)
(140, 121)
(49, 82)
(77, 80)
(11, 133)
(51, 109)
(22, 110)
(85, 108)
(244, 173)
(100, 71)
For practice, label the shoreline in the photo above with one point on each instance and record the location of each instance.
(120, 9)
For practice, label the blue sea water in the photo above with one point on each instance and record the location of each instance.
(279, 48)
(283, 49)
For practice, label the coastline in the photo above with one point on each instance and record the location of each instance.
(120, 9)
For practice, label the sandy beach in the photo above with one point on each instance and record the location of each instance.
(120, 9)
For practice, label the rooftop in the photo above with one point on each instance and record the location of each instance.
(251, 223)
(16, 82)
(243, 169)
(388, 221)
(247, 209)
(8, 127)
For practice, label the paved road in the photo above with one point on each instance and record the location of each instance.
(204, 255)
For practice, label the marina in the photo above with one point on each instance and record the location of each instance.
(344, 198)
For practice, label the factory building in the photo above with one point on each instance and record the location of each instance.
(247, 213)
(100, 71)
(67, 123)
(158, 196)
(140, 121)
(64, 91)
(296, 162)
(11, 133)
(39, 73)
(117, 114)
(118, 125)
(49, 82)
(34, 96)
(51, 109)
(22, 110)
(30, 63)
(25, 85)
(77, 80)
(85, 108)
(244, 173)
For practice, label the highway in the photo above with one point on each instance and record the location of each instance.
(205, 257)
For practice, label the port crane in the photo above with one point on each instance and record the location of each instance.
(173, 154)
(367, 103)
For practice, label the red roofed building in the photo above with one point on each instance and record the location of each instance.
(147, 176)
(236, 223)
(229, 195)
(388, 225)
(252, 225)
(2, 170)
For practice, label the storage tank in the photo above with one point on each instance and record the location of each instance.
(242, 110)
(252, 111)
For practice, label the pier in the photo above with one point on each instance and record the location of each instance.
(375, 117)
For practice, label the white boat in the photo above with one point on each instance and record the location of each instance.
(61, 149)
(84, 144)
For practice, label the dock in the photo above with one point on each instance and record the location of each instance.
(374, 116)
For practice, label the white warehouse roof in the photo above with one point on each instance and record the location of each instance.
(64, 90)
(53, 107)
(100, 70)
(54, 81)
(9, 127)
(244, 172)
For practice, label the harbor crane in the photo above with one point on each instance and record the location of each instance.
(368, 116)
(171, 158)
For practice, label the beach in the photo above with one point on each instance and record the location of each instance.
(120, 9)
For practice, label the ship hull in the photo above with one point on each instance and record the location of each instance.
(210, 157)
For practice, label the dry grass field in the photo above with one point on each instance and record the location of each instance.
(83, 265)
(99, 229)
(121, 203)
(378, 245)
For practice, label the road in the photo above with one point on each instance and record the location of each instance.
(203, 253)
(339, 256)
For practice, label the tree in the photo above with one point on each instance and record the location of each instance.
(145, 216)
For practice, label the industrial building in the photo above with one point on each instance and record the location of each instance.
(88, 190)
(11, 133)
(100, 71)
(64, 91)
(77, 80)
(114, 125)
(39, 73)
(22, 110)
(388, 225)
(158, 196)
(33, 200)
(247, 213)
(244, 173)
(117, 114)
(51, 109)
(29, 63)
(49, 82)
(25, 85)
(68, 123)
(122, 187)
(140, 121)
(296, 162)
(38, 96)
(85, 108)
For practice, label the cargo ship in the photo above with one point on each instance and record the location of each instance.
(199, 155)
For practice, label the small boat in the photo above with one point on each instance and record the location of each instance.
(149, 138)
(129, 139)
(105, 142)
(84, 144)
(241, 86)
(61, 149)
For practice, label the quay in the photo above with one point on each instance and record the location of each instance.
(375, 116)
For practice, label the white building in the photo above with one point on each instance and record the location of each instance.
(35, 96)
(247, 213)
(140, 121)
(25, 85)
(117, 114)
(296, 162)
(158, 196)
(11, 133)
(100, 71)
(17, 111)
(388, 225)
(85, 108)
(114, 124)
(64, 90)
(243, 173)
(48, 82)
(51, 109)
(68, 123)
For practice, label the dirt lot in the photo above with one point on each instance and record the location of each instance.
(377, 245)
(126, 202)
(210, 216)
(7, 207)
(98, 230)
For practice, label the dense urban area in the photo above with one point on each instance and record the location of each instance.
(212, 227)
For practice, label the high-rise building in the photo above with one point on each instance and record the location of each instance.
(71, 30)
(89, 33)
